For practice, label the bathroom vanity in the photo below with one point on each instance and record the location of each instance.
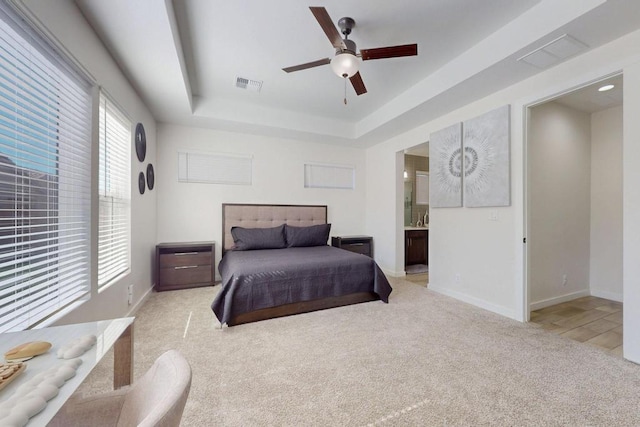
(416, 245)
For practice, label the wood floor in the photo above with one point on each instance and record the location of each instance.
(591, 320)
(419, 279)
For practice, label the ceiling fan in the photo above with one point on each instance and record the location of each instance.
(345, 63)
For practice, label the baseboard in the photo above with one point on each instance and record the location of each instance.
(134, 309)
(559, 299)
(613, 296)
(503, 311)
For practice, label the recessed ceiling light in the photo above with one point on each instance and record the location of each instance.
(606, 88)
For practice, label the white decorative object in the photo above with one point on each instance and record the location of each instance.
(76, 347)
(31, 397)
(445, 148)
(486, 159)
(30, 405)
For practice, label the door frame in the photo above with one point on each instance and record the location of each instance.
(524, 109)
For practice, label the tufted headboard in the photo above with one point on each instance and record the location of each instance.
(265, 216)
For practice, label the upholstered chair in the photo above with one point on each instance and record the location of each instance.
(155, 400)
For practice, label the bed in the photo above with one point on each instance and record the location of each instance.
(264, 283)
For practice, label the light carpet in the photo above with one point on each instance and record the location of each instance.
(423, 359)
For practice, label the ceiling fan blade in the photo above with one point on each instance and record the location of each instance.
(389, 52)
(327, 26)
(358, 84)
(317, 63)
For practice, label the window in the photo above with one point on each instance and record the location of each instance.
(45, 176)
(422, 188)
(114, 186)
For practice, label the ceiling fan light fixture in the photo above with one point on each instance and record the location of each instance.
(345, 64)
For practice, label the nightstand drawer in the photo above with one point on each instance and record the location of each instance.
(180, 259)
(185, 275)
(358, 244)
(363, 248)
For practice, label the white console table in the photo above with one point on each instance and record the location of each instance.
(116, 333)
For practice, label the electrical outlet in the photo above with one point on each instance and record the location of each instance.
(456, 278)
(130, 294)
(564, 280)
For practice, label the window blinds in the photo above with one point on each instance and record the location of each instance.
(45, 176)
(114, 185)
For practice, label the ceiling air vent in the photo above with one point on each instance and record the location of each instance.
(553, 52)
(248, 84)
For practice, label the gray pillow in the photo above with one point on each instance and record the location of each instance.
(246, 239)
(314, 235)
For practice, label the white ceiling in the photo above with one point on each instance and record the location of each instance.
(183, 57)
(590, 100)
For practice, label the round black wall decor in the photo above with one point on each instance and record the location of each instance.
(151, 177)
(141, 142)
(141, 182)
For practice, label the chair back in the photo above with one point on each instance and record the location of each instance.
(158, 398)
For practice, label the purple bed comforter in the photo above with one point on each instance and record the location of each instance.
(253, 280)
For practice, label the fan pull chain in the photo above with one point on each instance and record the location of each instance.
(345, 91)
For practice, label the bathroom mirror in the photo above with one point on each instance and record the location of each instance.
(416, 187)
(408, 202)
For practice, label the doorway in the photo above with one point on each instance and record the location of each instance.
(574, 211)
(416, 214)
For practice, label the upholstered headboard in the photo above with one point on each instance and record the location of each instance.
(265, 216)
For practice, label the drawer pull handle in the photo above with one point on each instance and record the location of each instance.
(186, 266)
(185, 253)
(356, 244)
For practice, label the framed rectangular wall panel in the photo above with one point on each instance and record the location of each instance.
(318, 175)
(214, 168)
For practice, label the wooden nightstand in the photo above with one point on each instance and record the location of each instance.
(185, 265)
(358, 244)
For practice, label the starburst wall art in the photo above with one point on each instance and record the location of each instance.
(470, 162)
(486, 159)
(445, 158)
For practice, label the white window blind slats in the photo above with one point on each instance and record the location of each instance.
(33, 251)
(114, 185)
(113, 270)
(10, 224)
(45, 192)
(49, 281)
(38, 305)
(41, 269)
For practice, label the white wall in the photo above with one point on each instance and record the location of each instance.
(192, 211)
(559, 191)
(63, 20)
(630, 209)
(489, 256)
(606, 204)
